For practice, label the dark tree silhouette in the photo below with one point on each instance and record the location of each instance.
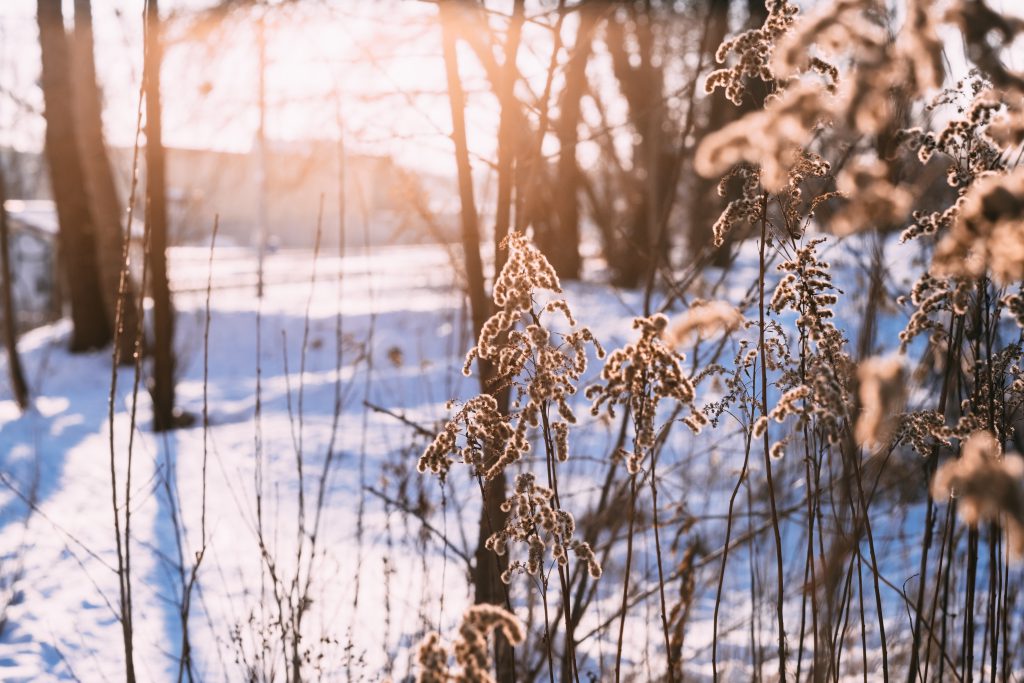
(161, 385)
(100, 189)
(489, 566)
(77, 240)
(564, 253)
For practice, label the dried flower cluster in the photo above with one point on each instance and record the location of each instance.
(747, 207)
(1015, 307)
(932, 296)
(534, 521)
(820, 387)
(539, 370)
(702, 320)
(484, 429)
(753, 49)
(472, 654)
(988, 233)
(923, 430)
(540, 373)
(807, 289)
(639, 375)
(988, 486)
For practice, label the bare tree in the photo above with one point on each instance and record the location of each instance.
(489, 566)
(564, 253)
(507, 135)
(77, 240)
(161, 386)
(635, 42)
(100, 188)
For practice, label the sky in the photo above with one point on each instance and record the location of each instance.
(375, 67)
(357, 58)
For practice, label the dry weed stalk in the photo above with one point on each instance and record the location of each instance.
(541, 369)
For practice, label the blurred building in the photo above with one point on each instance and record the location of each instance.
(383, 203)
(33, 248)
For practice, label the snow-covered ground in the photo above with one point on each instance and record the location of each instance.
(59, 561)
(380, 577)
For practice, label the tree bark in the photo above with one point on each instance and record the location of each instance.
(161, 385)
(100, 188)
(76, 236)
(18, 385)
(489, 566)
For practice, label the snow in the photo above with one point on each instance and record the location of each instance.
(63, 621)
(377, 585)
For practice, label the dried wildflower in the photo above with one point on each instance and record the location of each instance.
(965, 140)
(542, 369)
(561, 434)
(988, 234)
(1015, 306)
(807, 289)
(822, 389)
(882, 393)
(771, 138)
(471, 651)
(432, 658)
(753, 49)
(696, 421)
(777, 450)
(788, 404)
(747, 207)
(796, 212)
(585, 554)
(924, 430)
(929, 223)
(931, 296)
(987, 485)
(640, 375)
(534, 521)
(484, 429)
(875, 202)
(704, 319)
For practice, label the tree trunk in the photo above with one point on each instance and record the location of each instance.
(76, 238)
(100, 189)
(642, 87)
(18, 385)
(161, 385)
(565, 253)
(489, 566)
(508, 137)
